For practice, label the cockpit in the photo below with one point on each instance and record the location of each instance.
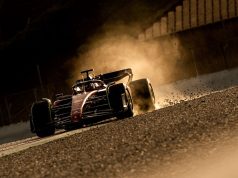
(87, 86)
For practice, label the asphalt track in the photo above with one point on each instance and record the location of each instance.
(13, 147)
(183, 140)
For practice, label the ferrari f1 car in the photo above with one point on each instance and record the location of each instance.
(93, 98)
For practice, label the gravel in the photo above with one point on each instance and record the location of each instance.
(151, 144)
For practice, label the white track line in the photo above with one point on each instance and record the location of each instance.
(13, 147)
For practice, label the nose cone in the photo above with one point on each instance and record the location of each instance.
(76, 116)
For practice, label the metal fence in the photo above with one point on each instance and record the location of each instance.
(16, 107)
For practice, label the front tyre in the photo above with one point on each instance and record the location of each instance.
(41, 118)
(129, 112)
(121, 101)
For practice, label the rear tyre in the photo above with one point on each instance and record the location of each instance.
(121, 101)
(142, 95)
(42, 121)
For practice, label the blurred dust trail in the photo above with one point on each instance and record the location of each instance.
(116, 53)
(109, 53)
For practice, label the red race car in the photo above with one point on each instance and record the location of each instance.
(94, 98)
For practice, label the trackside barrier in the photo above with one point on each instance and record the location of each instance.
(15, 107)
(192, 14)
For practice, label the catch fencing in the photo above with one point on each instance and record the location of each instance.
(16, 107)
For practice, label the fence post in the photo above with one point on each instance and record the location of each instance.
(194, 61)
(39, 76)
(8, 107)
(35, 93)
(224, 49)
(1, 116)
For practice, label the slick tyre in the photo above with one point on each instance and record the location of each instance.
(142, 95)
(41, 120)
(121, 101)
(129, 111)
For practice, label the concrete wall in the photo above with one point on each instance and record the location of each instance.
(231, 8)
(178, 18)
(236, 7)
(148, 33)
(201, 12)
(200, 51)
(156, 29)
(209, 11)
(224, 9)
(216, 10)
(186, 14)
(171, 22)
(164, 25)
(193, 14)
(206, 45)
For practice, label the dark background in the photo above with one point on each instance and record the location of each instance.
(48, 33)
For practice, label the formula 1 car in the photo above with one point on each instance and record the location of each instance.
(93, 98)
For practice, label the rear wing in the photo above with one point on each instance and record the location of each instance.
(116, 76)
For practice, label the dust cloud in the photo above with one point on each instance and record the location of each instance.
(115, 51)
(161, 61)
